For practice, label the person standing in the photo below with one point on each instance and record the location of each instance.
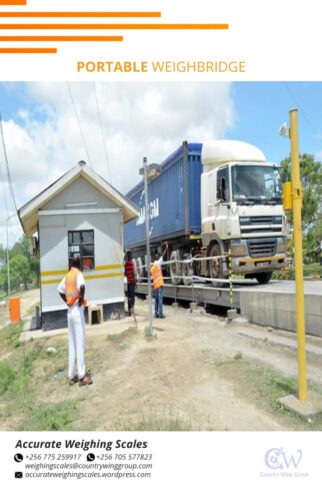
(72, 290)
(158, 282)
(129, 271)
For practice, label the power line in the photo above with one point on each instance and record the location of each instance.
(300, 107)
(79, 125)
(3, 188)
(116, 254)
(102, 134)
(7, 167)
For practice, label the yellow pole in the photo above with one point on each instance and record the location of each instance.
(297, 206)
(230, 280)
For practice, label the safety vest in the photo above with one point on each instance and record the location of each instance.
(72, 292)
(157, 277)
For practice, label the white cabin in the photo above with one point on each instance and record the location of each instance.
(79, 214)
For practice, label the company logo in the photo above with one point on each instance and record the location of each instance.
(283, 463)
(277, 459)
(153, 211)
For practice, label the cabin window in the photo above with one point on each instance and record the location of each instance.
(223, 185)
(81, 243)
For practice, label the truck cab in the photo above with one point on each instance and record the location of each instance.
(242, 216)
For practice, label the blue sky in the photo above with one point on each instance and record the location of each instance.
(262, 107)
(50, 126)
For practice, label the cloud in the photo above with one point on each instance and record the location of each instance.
(111, 126)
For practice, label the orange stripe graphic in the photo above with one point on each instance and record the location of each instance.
(61, 38)
(114, 26)
(28, 50)
(87, 26)
(80, 14)
(13, 2)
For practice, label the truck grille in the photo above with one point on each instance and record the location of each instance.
(261, 219)
(265, 247)
(260, 224)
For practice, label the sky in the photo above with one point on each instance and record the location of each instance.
(48, 127)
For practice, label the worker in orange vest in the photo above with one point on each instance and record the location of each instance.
(158, 282)
(72, 291)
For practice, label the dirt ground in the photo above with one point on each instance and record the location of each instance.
(197, 369)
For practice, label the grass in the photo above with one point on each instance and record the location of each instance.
(272, 386)
(154, 423)
(266, 387)
(56, 417)
(313, 271)
(9, 336)
(19, 389)
(238, 356)
(123, 336)
(7, 376)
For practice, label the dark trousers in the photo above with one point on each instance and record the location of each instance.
(158, 301)
(131, 296)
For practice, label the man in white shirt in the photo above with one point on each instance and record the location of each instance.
(72, 290)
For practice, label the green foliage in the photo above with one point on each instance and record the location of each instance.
(21, 247)
(3, 254)
(20, 271)
(313, 270)
(24, 268)
(123, 336)
(7, 376)
(9, 336)
(56, 417)
(311, 178)
(272, 386)
(154, 423)
(35, 269)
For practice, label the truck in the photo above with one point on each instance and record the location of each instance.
(218, 205)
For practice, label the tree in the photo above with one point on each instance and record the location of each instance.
(21, 247)
(311, 178)
(24, 268)
(3, 255)
(4, 279)
(35, 269)
(20, 272)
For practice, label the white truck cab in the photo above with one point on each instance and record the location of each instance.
(241, 210)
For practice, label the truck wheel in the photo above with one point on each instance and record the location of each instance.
(139, 270)
(175, 267)
(264, 277)
(215, 266)
(187, 270)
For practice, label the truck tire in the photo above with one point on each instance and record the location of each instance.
(175, 268)
(187, 270)
(215, 267)
(263, 277)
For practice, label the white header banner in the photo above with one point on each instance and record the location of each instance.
(159, 40)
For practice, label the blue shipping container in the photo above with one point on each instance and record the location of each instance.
(174, 200)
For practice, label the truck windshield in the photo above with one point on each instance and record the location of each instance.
(256, 184)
